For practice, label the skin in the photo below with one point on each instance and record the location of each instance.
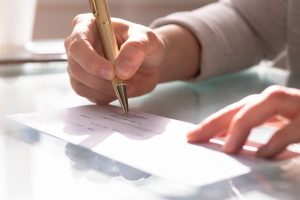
(168, 53)
(237, 120)
(146, 56)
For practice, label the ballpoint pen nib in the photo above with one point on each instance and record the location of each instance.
(121, 91)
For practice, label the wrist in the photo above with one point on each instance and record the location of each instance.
(181, 60)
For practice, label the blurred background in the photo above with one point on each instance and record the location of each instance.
(53, 17)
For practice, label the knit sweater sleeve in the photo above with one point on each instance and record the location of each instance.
(234, 34)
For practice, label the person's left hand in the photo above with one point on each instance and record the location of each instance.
(237, 120)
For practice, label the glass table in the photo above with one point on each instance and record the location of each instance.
(37, 166)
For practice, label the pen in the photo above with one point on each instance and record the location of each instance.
(110, 47)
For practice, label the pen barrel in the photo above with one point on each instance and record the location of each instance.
(109, 45)
(108, 39)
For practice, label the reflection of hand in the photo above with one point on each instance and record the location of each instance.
(83, 159)
(141, 52)
(238, 119)
(291, 170)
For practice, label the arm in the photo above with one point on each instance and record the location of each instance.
(182, 57)
(206, 42)
(234, 34)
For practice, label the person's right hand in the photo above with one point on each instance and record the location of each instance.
(141, 53)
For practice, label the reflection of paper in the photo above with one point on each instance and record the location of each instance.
(151, 143)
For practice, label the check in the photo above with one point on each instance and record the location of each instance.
(151, 143)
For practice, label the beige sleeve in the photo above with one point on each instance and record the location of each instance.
(233, 34)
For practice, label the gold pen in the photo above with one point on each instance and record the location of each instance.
(110, 47)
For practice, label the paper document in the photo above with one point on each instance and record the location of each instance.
(154, 144)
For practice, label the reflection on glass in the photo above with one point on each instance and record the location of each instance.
(84, 159)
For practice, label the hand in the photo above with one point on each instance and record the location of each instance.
(238, 119)
(141, 52)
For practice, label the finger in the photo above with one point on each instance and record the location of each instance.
(273, 101)
(217, 123)
(277, 121)
(87, 57)
(139, 44)
(84, 91)
(135, 88)
(130, 58)
(287, 135)
(81, 18)
(83, 26)
(84, 46)
(77, 72)
(291, 169)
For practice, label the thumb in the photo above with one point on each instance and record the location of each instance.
(131, 56)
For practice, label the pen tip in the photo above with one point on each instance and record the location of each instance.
(121, 91)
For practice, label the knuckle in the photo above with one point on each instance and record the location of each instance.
(238, 120)
(249, 98)
(140, 45)
(275, 92)
(77, 19)
(67, 43)
(74, 71)
(151, 35)
(74, 44)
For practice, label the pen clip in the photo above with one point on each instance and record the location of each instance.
(93, 6)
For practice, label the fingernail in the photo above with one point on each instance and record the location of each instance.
(263, 152)
(228, 147)
(123, 69)
(194, 136)
(106, 74)
(191, 137)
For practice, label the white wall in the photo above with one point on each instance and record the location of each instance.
(53, 17)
